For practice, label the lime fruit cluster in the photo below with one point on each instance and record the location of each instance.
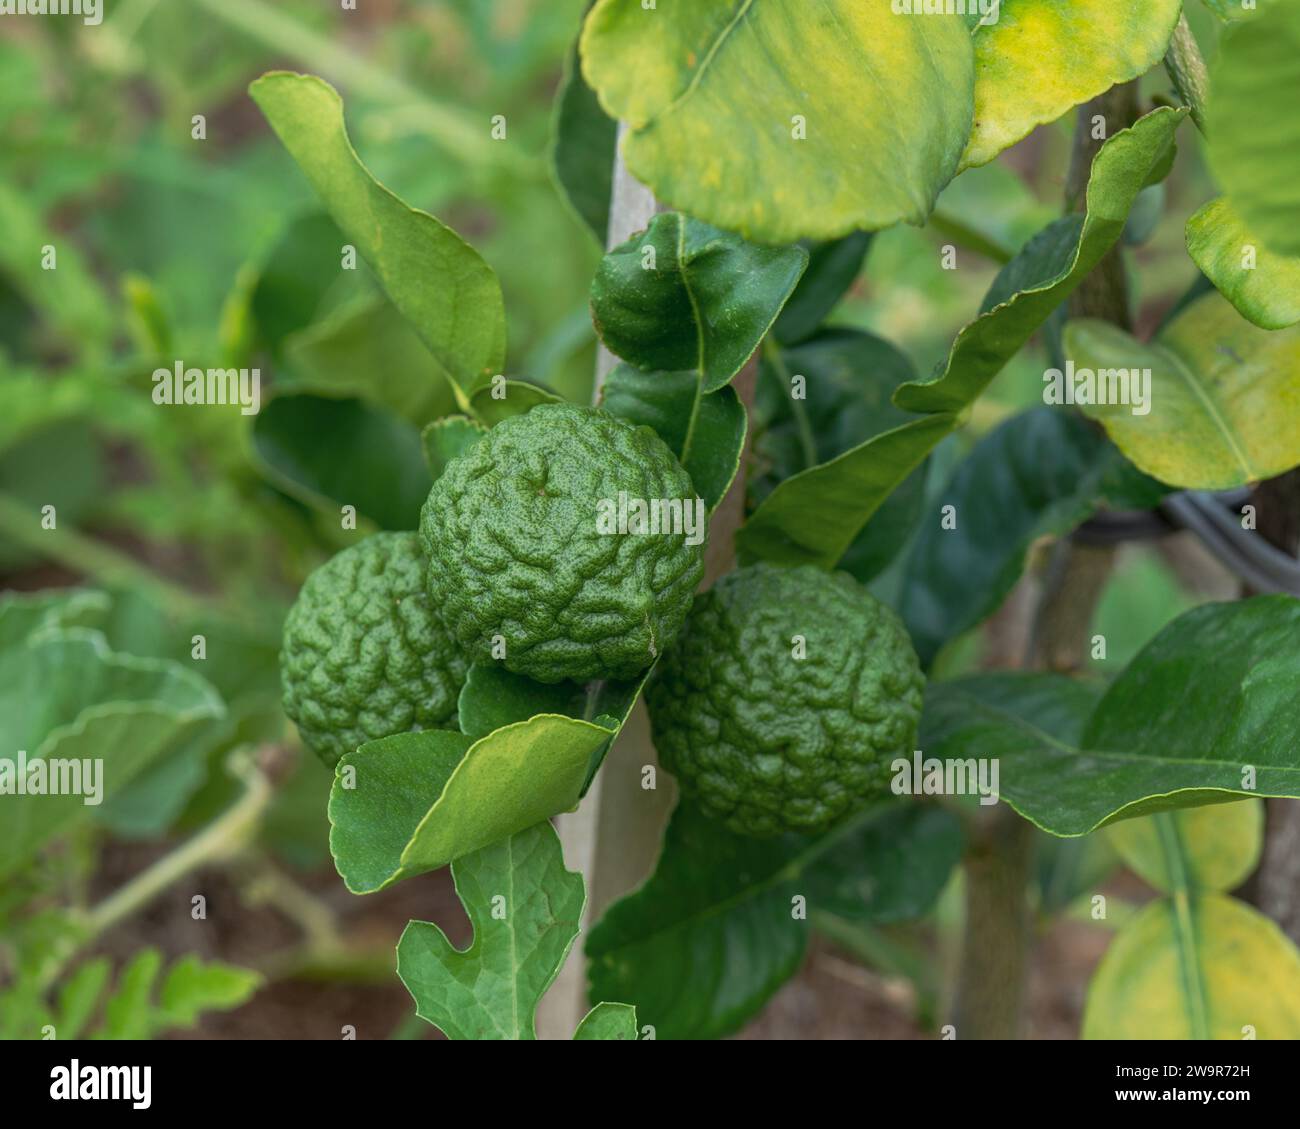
(519, 568)
(364, 654)
(786, 699)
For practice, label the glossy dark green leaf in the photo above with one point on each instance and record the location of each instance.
(1049, 268)
(1040, 473)
(846, 378)
(333, 453)
(893, 869)
(583, 142)
(446, 438)
(700, 948)
(686, 296)
(832, 269)
(493, 697)
(295, 277)
(706, 431)
(1205, 713)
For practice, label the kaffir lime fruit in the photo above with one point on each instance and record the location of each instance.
(364, 654)
(520, 566)
(785, 700)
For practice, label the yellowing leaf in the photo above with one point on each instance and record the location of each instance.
(1199, 967)
(1212, 848)
(1043, 57)
(1224, 396)
(1263, 286)
(782, 119)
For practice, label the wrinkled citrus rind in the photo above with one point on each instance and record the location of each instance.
(767, 742)
(517, 556)
(364, 655)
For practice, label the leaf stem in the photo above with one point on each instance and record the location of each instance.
(807, 441)
(1187, 69)
(224, 838)
(1180, 892)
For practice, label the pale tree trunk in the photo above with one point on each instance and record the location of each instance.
(615, 835)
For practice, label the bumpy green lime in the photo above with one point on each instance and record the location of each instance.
(785, 700)
(364, 655)
(520, 567)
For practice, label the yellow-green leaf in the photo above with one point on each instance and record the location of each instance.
(1254, 130)
(1198, 967)
(1210, 848)
(781, 119)
(1265, 287)
(1040, 58)
(1224, 396)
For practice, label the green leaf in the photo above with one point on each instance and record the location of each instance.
(1049, 268)
(894, 869)
(845, 378)
(1203, 714)
(440, 283)
(1040, 473)
(127, 1010)
(525, 908)
(1202, 966)
(608, 1021)
(493, 698)
(1224, 406)
(815, 516)
(1254, 133)
(422, 800)
(583, 143)
(193, 986)
(64, 696)
(833, 267)
(369, 350)
(699, 949)
(445, 439)
(79, 997)
(685, 296)
(1265, 287)
(332, 453)
(295, 277)
(710, 93)
(705, 431)
(1210, 848)
(1040, 58)
(503, 399)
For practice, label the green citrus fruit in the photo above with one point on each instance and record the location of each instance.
(521, 567)
(364, 655)
(785, 700)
